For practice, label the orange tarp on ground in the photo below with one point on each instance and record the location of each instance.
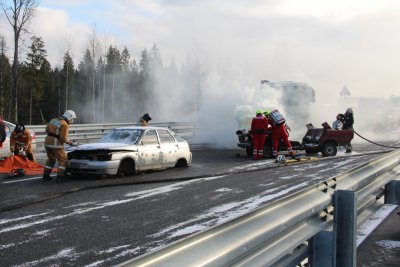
(17, 162)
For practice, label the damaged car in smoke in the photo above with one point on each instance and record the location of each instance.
(125, 151)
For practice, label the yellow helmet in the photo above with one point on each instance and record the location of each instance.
(259, 111)
(266, 112)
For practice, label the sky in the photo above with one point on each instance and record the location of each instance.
(327, 44)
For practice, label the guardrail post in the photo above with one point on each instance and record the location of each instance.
(392, 192)
(320, 249)
(344, 228)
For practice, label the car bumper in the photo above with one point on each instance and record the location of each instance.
(93, 167)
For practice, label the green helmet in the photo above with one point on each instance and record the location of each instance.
(267, 112)
(259, 111)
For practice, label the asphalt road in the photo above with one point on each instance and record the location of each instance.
(101, 222)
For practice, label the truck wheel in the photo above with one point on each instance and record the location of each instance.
(268, 150)
(310, 152)
(329, 150)
(249, 152)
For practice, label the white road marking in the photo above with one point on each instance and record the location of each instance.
(23, 180)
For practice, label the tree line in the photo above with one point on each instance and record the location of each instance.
(104, 86)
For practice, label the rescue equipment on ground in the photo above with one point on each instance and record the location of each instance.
(277, 118)
(280, 158)
(20, 162)
(17, 173)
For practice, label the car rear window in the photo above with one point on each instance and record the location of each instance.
(150, 138)
(165, 137)
(179, 139)
(127, 136)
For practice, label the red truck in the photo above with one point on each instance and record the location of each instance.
(324, 140)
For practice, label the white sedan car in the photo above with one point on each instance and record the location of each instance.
(125, 151)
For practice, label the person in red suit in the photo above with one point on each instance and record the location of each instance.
(279, 132)
(259, 126)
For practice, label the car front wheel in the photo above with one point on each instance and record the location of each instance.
(126, 167)
(329, 150)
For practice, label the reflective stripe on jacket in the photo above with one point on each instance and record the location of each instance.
(57, 127)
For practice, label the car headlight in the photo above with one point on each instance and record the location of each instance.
(104, 157)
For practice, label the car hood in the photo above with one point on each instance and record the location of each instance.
(105, 146)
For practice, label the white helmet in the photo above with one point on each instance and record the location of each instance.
(280, 158)
(69, 115)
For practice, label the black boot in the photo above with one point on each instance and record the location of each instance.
(46, 177)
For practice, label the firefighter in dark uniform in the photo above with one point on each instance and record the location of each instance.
(144, 120)
(348, 125)
(20, 142)
(57, 133)
(348, 119)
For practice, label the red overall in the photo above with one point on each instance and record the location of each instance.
(280, 133)
(259, 126)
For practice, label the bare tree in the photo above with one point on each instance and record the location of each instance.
(18, 13)
(94, 47)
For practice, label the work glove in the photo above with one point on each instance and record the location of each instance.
(72, 143)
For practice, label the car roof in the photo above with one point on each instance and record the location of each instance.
(9, 124)
(143, 128)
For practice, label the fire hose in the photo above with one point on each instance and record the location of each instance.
(374, 142)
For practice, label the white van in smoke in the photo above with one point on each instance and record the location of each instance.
(293, 99)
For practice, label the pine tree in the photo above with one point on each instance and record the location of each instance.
(38, 70)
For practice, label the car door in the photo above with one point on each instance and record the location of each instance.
(149, 151)
(169, 148)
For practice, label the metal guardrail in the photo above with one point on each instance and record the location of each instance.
(318, 223)
(79, 132)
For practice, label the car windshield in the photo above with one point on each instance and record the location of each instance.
(127, 136)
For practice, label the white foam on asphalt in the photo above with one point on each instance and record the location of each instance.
(225, 212)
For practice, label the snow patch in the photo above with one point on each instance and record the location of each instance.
(102, 205)
(223, 190)
(168, 188)
(253, 165)
(94, 264)
(65, 253)
(369, 225)
(111, 250)
(389, 244)
(289, 177)
(224, 213)
(188, 230)
(4, 221)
